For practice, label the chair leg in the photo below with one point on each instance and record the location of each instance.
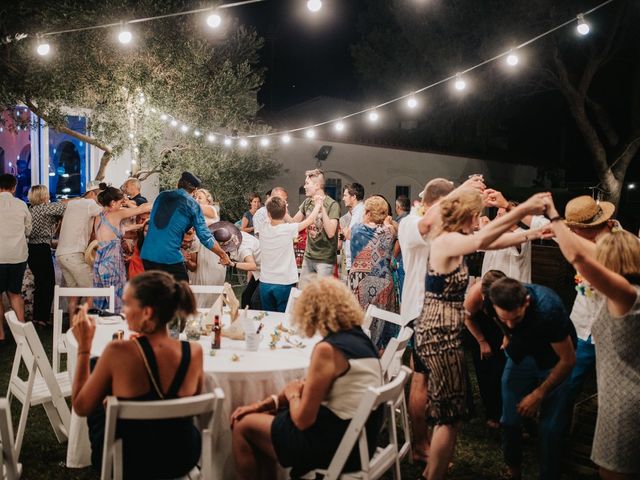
(22, 423)
(406, 430)
(56, 422)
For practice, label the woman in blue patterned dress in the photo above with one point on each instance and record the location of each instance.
(108, 266)
(370, 276)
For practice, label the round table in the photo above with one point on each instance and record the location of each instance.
(244, 376)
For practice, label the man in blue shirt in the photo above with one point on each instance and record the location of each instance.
(174, 212)
(540, 347)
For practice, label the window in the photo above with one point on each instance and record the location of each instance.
(333, 188)
(403, 190)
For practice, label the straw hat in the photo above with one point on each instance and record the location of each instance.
(90, 253)
(585, 212)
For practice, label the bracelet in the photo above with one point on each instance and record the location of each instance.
(84, 352)
(557, 217)
(275, 401)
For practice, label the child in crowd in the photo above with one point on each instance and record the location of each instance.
(278, 271)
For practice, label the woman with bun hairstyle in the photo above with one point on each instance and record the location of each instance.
(108, 267)
(151, 367)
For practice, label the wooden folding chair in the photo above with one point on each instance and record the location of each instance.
(9, 466)
(42, 386)
(208, 406)
(293, 296)
(60, 340)
(385, 457)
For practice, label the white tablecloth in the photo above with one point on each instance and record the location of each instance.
(254, 376)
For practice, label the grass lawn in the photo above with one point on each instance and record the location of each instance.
(478, 454)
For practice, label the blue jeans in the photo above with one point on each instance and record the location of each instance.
(585, 363)
(518, 380)
(274, 297)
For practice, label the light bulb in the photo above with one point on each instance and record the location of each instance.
(196, 133)
(583, 27)
(136, 150)
(412, 102)
(512, 59)
(211, 137)
(339, 127)
(373, 116)
(43, 49)
(285, 138)
(131, 135)
(174, 123)
(314, 5)
(243, 143)
(214, 20)
(125, 37)
(184, 128)
(460, 83)
(163, 117)
(264, 141)
(228, 142)
(311, 133)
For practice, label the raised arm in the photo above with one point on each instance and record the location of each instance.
(133, 211)
(513, 239)
(311, 218)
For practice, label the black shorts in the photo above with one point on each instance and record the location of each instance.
(11, 275)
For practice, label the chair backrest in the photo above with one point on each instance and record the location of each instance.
(197, 289)
(394, 351)
(66, 292)
(206, 406)
(375, 312)
(293, 296)
(388, 394)
(9, 463)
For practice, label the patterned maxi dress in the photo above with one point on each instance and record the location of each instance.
(108, 267)
(439, 344)
(370, 276)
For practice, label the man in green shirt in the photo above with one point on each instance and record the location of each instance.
(322, 235)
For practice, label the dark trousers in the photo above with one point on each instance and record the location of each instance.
(251, 295)
(176, 270)
(489, 374)
(44, 279)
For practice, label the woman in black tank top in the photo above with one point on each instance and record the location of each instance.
(150, 367)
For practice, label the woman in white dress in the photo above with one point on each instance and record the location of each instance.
(205, 200)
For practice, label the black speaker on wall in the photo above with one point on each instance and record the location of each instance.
(323, 153)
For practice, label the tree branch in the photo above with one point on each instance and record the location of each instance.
(604, 122)
(144, 174)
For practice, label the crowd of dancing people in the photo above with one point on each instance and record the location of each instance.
(531, 355)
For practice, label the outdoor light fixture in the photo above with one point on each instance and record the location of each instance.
(184, 129)
(339, 126)
(264, 141)
(412, 102)
(211, 137)
(243, 143)
(512, 59)
(228, 142)
(214, 20)
(583, 27)
(285, 138)
(125, 35)
(373, 116)
(196, 133)
(43, 48)
(460, 83)
(174, 123)
(314, 5)
(311, 133)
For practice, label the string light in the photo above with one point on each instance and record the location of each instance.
(174, 123)
(583, 27)
(125, 35)
(164, 117)
(339, 126)
(373, 116)
(211, 138)
(412, 102)
(244, 143)
(196, 133)
(43, 47)
(286, 138)
(131, 135)
(228, 142)
(264, 141)
(310, 133)
(314, 5)
(214, 20)
(184, 129)
(460, 84)
(512, 59)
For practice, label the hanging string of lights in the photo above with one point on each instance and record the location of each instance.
(458, 81)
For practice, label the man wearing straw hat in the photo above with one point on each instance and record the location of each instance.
(589, 219)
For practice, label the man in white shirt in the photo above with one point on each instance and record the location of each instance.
(353, 198)
(75, 232)
(279, 272)
(414, 245)
(260, 217)
(15, 219)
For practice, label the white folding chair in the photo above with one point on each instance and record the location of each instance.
(207, 406)
(60, 340)
(42, 386)
(385, 457)
(391, 365)
(10, 469)
(293, 296)
(380, 314)
(210, 289)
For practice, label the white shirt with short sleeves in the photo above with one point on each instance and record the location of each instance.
(250, 246)
(415, 254)
(278, 261)
(15, 219)
(77, 223)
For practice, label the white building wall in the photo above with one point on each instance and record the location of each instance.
(380, 169)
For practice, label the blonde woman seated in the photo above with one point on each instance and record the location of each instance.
(303, 425)
(150, 367)
(205, 200)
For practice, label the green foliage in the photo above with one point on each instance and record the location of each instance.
(174, 65)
